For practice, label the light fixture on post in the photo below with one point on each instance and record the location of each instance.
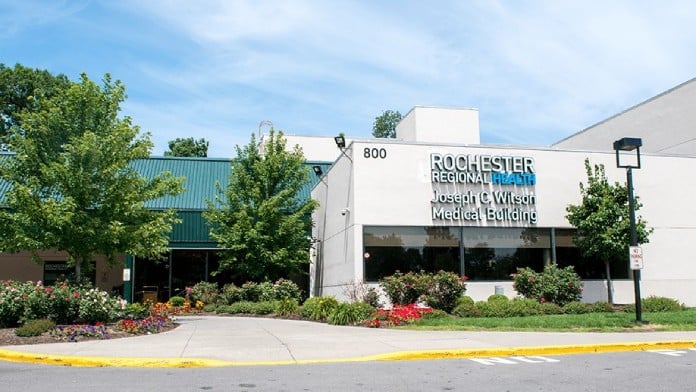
(340, 141)
(341, 144)
(628, 144)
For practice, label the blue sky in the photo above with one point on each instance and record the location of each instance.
(537, 71)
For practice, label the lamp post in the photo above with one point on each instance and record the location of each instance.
(629, 144)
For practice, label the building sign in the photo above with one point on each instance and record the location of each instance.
(483, 189)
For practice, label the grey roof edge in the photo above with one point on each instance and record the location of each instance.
(627, 110)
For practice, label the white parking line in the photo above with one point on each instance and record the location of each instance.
(513, 360)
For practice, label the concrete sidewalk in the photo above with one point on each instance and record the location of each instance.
(239, 341)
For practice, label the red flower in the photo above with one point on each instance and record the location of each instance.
(542, 300)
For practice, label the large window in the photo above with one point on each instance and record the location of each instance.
(495, 253)
(391, 249)
(481, 253)
(568, 254)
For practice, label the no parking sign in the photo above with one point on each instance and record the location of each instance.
(635, 256)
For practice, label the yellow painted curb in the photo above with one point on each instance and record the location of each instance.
(62, 360)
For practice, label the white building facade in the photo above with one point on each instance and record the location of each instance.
(434, 198)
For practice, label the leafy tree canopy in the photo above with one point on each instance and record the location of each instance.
(602, 218)
(260, 217)
(187, 147)
(385, 124)
(22, 88)
(72, 188)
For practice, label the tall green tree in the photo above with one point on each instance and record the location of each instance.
(261, 218)
(187, 147)
(72, 188)
(385, 124)
(602, 220)
(21, 89)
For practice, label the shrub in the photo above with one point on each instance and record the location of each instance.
(136, 311)
(358, 291)
(318, 308)
(177, 301)
(557, 285)
(661, 304)
(12, 294)
(209, 308)
(492, 309)
(404, 289)
(64, 303)
(371, 298)
(522, 307)
(350, 314)
(231, 293)
(241, 307)
(251, 292)
(601, 307)
(575, 307)
(206, 292)
(443, 289)
(465, 300)
(263, 307)
(497, 297)
(97, 306)
(285, 288)
(36, 303)
(286, 307)
(266, 292)
(224, 309)
(35, 327)
(550, 308)
(439, 290)
(656, 304)
(466, 309)
(435, 314)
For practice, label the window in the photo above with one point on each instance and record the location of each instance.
(391, 249)
(588, 268)
(54, 271)
(487, 253)
(495, 253)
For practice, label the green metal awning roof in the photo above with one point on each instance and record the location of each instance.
(201, 176)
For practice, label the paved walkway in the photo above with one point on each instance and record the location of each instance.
(242, 341)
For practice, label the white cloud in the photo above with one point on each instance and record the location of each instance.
(537, 70)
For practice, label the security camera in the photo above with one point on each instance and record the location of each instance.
(344, 211)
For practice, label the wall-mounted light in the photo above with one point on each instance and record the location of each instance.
(340, 141)
(317, 170)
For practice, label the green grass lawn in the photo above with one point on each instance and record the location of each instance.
(590, 322)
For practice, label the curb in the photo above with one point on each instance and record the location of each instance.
(60, 360)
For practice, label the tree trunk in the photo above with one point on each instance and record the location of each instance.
(78, 271)
(610, 287)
